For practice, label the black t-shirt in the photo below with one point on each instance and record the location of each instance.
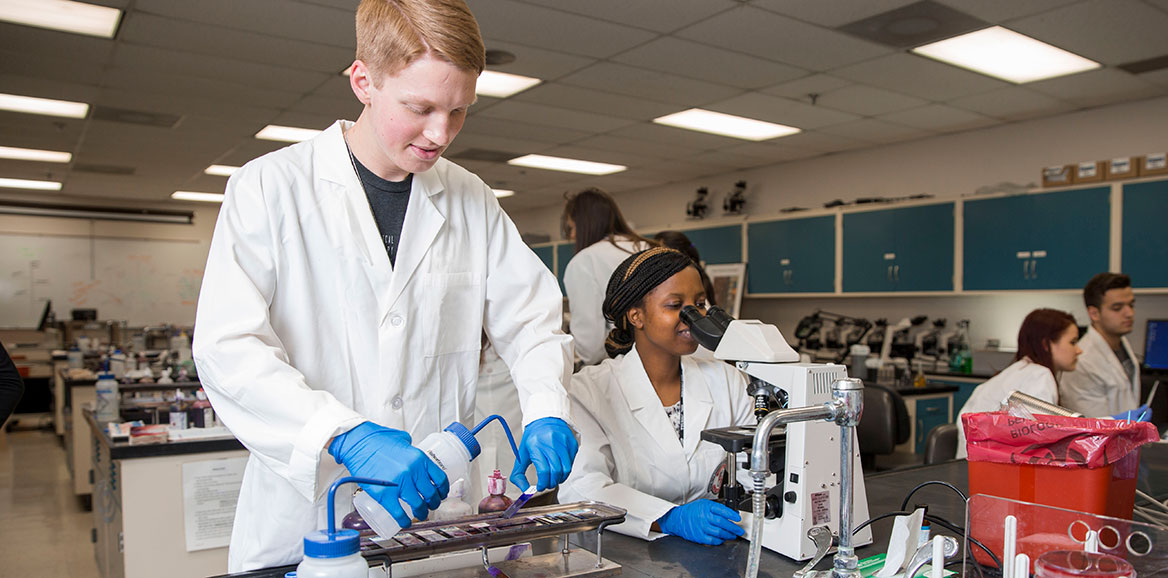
(1129, 365)
(388, 201)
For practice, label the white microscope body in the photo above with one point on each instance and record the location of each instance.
(811, 480)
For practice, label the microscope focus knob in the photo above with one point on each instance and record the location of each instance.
(789, 497)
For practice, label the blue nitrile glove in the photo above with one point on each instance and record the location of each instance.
(1142, 413)
(549, 444)
(702, 521)
(373, 451)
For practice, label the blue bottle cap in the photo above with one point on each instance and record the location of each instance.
(467, 439)
(320, 544)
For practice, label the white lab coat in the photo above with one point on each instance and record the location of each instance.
(629, 452)
(1031, 378)
(586, 282)
(304, 330)
(1099, 387)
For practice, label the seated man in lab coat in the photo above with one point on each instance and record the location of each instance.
(1107, 381)
(349, 279)
(641, 413)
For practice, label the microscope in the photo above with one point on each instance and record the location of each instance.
(802, 455)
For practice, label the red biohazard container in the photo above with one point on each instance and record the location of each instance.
(1083, 464)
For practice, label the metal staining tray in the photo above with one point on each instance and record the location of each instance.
(425, 539)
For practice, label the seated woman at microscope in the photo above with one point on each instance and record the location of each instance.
(1048, 344)
(640, 414)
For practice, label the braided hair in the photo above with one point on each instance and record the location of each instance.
(633, 279)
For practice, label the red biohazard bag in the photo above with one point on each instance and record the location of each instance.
(1051, 440)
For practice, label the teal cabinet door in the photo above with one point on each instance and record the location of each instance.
(717, 244)
(907, 249)
(930, 413)
(924, 248)
(869, 251)
(547, 255)
(791, 256)
(564, 253)
(997, 241)
(1145, 236)
(1071, 237)
(1042, 241)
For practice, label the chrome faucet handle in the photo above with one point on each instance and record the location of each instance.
(821, 537)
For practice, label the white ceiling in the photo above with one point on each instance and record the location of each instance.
(229, 67)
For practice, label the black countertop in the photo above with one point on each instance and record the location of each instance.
(124, 451)
(674, 557)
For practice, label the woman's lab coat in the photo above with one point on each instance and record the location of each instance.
(1099, 387)
(1031, 378)
(629, 452)
(304, 330)
(586, 281)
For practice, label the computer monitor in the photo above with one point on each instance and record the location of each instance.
(1156, 345)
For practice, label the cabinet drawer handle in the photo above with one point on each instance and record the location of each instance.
(1026, 269)
(1034, 268)
(896, 272)
(890, 273)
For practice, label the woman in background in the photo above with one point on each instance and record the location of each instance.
(603, 239)
(1048, 345)
(640, 415)
(677, 241)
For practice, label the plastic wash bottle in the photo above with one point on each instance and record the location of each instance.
(333, 556)
(451, 450)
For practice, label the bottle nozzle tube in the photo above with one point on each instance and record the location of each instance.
(506, 430)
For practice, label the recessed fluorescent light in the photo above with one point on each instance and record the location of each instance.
(502, 193)
(502, 84)
(63, 15)
(220, 170)
(566, 165)
(27, 184)
(193, 196)
(35, 155)
(726, 125)
(46, 106)
(1007, 55)
(286, 133)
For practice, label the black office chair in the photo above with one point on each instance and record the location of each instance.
(883, 426)
(941, 444)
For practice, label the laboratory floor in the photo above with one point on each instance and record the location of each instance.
(43, 529)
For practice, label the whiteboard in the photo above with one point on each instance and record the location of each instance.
(141, 281)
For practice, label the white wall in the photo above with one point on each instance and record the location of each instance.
(947, 166)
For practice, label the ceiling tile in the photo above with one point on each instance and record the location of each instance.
(642, 83)
(145, 60)
(708, 63)
(659, 15)
(295, 20)
(919, 77)
(868, 100)
(522, 130)
(1098, 87)
(1109, 31)
(830, 14)
(1012, 103)
(49, 68)
(553, 29)
(492, 142)
(537, 62)
(781, 110)
(662, 149)
(814, 84)
(588, 100)
(769, 35)
(186, 36)
(682, 169)
(818, 141)
(656, 133)
(602, 155)
(553, 116)
(875, 131)
(998, 11)
(939, 118)
(159, 83)
(51, 43)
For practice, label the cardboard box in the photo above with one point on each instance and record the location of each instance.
(1154, 164)
(1122, 168)
(1089, 172)
(1058, 176)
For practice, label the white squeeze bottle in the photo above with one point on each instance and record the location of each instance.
(333, 556)
(451, 450)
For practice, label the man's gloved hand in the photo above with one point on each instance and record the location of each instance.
(702, 521)
(1142, 413)
(381, 453)
(549, 444)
